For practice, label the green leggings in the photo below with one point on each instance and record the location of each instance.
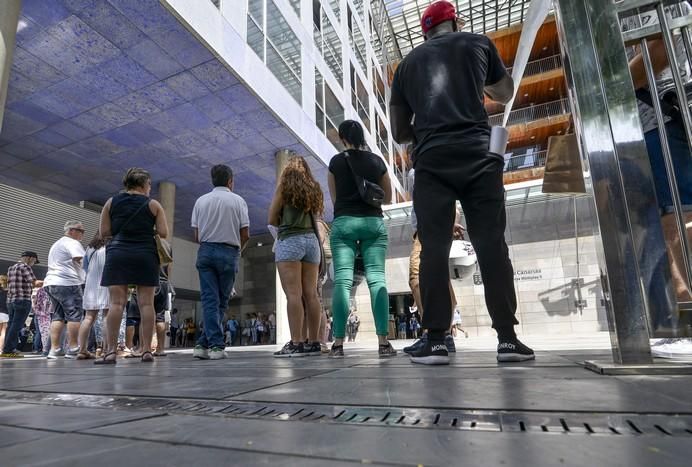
(370, 235)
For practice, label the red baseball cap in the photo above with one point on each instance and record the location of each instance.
(438, 12)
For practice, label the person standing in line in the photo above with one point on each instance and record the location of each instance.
(358, 225)
(42, 308)
(442, 83)
(232, 326)
(222, 227)
(295, 209)
(4, 315)
(63, 283)
(132, 218)
(20, 283)
(96, 297)
(174, 327)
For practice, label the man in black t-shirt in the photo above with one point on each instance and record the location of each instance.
(440, 85)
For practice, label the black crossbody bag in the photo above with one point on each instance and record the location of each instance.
(371, 193)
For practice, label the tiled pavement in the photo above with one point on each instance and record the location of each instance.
(252, 409)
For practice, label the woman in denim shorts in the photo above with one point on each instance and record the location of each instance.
(297, 203)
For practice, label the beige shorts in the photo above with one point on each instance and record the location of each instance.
(414, 262)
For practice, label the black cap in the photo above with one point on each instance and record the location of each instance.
(31, 254)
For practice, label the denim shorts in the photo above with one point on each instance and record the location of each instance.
(304, 248)
(67, 302)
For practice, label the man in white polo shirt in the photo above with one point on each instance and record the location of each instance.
(221, 226)
(63, 283)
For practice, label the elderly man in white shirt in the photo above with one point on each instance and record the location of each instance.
(63, 283)
(221, 226)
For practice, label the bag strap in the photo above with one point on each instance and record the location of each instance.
(133, 215)
(357, 178)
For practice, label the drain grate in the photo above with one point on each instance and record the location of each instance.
(571, 423)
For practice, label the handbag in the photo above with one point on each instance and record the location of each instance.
(163, 248)
(370, 193)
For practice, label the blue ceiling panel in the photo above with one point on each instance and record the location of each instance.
(27, 148)
(187, 86)
(162, 95)
(44, 13)
(240, 99)
(110, 23)
(154, 59)
(98, 86)
(213, 107)
(15, 126)
(49, 136)
(34, 112)
(128, 72)
(214, 75)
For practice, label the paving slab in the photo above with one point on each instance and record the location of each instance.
(13, 436)
(411, 446)
(588, 394)
(88, 451)
(58, 418)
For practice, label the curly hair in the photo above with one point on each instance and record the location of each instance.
(299, 188)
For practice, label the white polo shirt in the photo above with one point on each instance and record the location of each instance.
(219, 215)
(62, 269)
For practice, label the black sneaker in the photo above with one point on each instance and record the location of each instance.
(337, 351)
(449, 342)
(386, 350)
(312, 349)
(513, 351)
(416, 345)
(434, 352)
(291, 350)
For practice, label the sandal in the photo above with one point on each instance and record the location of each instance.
(134, 355)
(86, 355)
(105, 361)
(148, 359)
(160, 354)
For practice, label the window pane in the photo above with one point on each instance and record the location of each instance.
(332, 106)
(283, 38)
(255, 38)
(332, 48)
(319, 83)
(296, 6)
(256, 10)
(335, 8)
(284, 73)
(319, 119)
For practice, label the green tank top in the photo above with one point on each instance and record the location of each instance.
(294, 222)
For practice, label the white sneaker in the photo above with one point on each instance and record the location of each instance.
(72, 353)
(217, 353)
(673, 349)
(55, 354)
(200, 352)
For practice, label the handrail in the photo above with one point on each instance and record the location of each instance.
(525, 161)
(533, 113)
(541, 65)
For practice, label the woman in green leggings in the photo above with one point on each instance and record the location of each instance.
(358, 226)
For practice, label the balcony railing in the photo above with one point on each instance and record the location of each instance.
(533, 113)
(532, 160)
(542, 65)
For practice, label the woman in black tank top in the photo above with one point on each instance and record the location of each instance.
(131, 218)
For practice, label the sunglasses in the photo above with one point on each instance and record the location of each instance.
(79, 230)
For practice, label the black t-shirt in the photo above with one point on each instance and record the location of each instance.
(442, 82)
(348, 201)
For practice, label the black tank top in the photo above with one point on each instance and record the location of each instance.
(140, 227)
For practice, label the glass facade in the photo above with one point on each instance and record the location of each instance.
(274, 41)
(327, 41)
(328, 110)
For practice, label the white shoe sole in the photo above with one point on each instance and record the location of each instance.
(431, 360)
(514, 357)
(216, 357)
(201, 357)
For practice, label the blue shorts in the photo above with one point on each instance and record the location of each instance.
(304, 248)
(67, 302)
(682, 163)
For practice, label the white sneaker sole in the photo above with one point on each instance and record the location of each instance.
(514, 357)
(201, 357)
(431, 360)
(216, 357)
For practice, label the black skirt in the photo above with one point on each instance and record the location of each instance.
(131, 264)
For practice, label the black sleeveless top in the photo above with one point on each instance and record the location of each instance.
(140, 227)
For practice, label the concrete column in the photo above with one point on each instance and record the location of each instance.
(167, 197)
(9, 20)
(283, 332)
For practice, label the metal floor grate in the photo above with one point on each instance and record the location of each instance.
(572, 423)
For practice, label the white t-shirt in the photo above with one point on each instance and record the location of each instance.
(62, 270)
(218, 216)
